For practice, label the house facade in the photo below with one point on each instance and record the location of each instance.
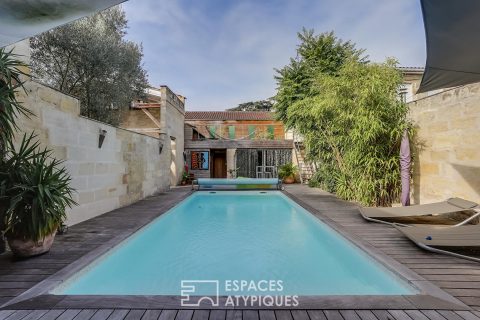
(227, 144)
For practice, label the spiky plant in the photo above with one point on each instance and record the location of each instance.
(10, 84)
(34, 190)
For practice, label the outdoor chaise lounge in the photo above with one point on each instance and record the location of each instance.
(390, 214)
(439, 238)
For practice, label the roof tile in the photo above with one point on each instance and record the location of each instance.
(229, 115)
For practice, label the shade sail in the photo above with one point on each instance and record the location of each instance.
(20, 19)
(453, 43)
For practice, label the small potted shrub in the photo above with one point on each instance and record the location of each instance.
(287, 173)
(34, 193)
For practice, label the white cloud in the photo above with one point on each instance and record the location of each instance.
(222, 55)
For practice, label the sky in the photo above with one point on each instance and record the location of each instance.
(219, 53)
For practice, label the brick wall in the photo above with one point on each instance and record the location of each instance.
(448, 159)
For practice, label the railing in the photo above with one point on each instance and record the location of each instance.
(239, 132)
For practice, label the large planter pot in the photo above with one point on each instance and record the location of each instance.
(29, 248)
(289, 180)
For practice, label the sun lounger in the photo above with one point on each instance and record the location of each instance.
(439, 238)
(388, 215)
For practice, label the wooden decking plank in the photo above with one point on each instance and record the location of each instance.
(333, 315)
(168, 314)
(102, 314)
(467, 315)
(464, 292)
(184, 315)
(416, 315)
(85, 314)
(449, 315)
(449, 271)
(316, 315)
(300, 315)
(154, 314)
(399, 315)
(366, 315)
(250, 314)
(283, 315)
(19, 314)
(433, 315)
(69, 314)
(383, 315)
(201, 314)
(234, 315)
(5, 313)
(349, 315)
(118, 314)
(36, 314)
(267, 315)
(52, 314)
(135, 314)
(217, 315)
(452, 277)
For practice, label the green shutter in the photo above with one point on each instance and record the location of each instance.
(271, 132)
(211, 131)
(231, 132)
(251, 131)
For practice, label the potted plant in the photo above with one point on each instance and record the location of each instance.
(184, 178)
(287, 173)
(34, 193)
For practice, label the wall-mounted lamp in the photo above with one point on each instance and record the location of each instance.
(161, 141)
(101, 137)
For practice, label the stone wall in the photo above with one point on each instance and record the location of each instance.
(127, 168)
(448, 159)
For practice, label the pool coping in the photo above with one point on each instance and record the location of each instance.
(431, 297)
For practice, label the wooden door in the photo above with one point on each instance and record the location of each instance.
(220, 166)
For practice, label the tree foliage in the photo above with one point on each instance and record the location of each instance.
(323, 53)
(261, 105)
(91, 60)
(352, 122)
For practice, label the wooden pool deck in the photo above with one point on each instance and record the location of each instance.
(458, 277)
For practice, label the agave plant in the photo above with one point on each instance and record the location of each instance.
(34, 191)
(10, 108)
(10, 84)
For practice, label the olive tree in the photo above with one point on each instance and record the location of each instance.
(91, 60)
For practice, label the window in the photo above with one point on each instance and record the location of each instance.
(197, 135)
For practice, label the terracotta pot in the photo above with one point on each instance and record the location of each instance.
(29, 248)
(289, 180)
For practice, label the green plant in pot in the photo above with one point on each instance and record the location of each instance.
(287, 172)
(34, 193)
(10, 83)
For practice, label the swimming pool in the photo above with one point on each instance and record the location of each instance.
(227, 236)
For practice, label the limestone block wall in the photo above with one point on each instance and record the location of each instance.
(448, 156)
(127, 168)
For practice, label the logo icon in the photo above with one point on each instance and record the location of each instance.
(192, 289)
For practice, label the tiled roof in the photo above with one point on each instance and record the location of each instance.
(411, 69)
(229, 115)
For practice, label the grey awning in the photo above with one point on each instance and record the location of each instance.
(20, 19)
(453, 43)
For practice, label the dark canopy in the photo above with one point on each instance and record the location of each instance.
(452, 30)
(20, 19)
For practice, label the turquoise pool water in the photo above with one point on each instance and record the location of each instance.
(233, 236)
